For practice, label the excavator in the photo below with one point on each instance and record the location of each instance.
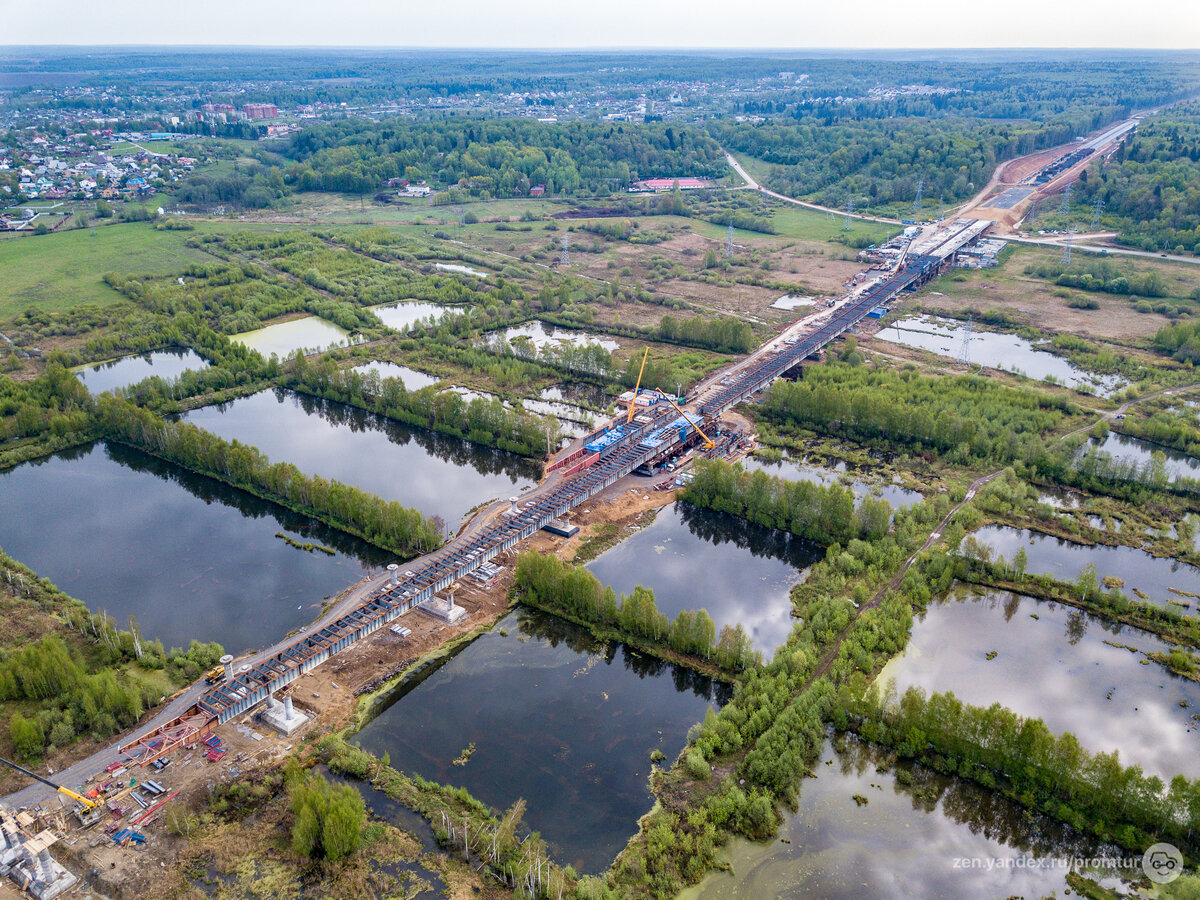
(88, 811)
(708, 442)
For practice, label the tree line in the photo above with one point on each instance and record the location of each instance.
(573, 590)
(386, 524)
(1021, 757)
(484, 421)
(820, 513)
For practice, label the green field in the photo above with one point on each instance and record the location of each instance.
(54, 272)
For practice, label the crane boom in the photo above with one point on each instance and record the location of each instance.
(708, 442)
(78, 798)
(633, 402)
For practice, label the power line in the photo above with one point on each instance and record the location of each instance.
(1066, 255)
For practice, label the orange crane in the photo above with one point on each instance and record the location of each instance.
(708, 442)
(633, 401)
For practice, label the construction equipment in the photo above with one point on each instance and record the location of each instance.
(633, 401)
(708, 442)
(88, 811)
(214, 676)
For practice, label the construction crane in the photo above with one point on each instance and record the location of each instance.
(633, 401)
(83, 801)
(903, 256)
(708, 442)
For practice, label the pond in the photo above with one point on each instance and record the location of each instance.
(997, 351)
(188, 556)
(556, 718)
(695, 558)
(1058, 668)
(460, 269)
(1134, 450)
(401, 316)
(791, 469)
(438, 474)
(129, 370)
(410, 378)
(542, 335)
(1065, 560)
(284, 338)
(903, 843)
(791, 301)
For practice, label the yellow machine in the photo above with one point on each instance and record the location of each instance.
(708, 442)
(88, 805)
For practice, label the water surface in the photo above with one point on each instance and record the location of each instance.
(438, 474)
(129, 370)
(402, 315)
(791, 469)
(1057, 668)
(557, 718)
(998, 351)
(540, 335)
(284, 338)
(1065, 561)
(410, 378)
(904, 843)
(188, 556)
(694, 558)
(461, 269)
(1134, 450)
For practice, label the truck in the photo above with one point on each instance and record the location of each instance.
(215, 675)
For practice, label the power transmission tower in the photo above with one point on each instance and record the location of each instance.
(1065, 206)
(846, 224)
(1066, 254)
(920, 191)
(1096, 209)
(729, 244)
(565, 259)
(1032, 212)
(462, 216)
(964, 349)
(941, 207)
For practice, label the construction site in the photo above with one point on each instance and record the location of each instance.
(94, 824)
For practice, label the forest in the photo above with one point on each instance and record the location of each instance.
(1150, 189)
(879, 165)
(499, 158)
(961, 418)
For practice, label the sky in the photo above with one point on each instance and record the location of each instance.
(1168, 24)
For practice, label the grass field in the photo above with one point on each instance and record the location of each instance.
(54, 272)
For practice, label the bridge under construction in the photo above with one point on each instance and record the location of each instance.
(605, 457)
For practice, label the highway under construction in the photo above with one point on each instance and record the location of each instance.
(604, 457)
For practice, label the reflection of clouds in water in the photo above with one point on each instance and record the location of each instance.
(1064, 560)
(439, 475)
(693, 559)
(1039, 672)
(834, 849)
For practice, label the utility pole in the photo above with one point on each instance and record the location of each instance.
(964, 349)
(1065, 206)
(1066, 254)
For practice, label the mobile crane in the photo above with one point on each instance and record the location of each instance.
(88, 811)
